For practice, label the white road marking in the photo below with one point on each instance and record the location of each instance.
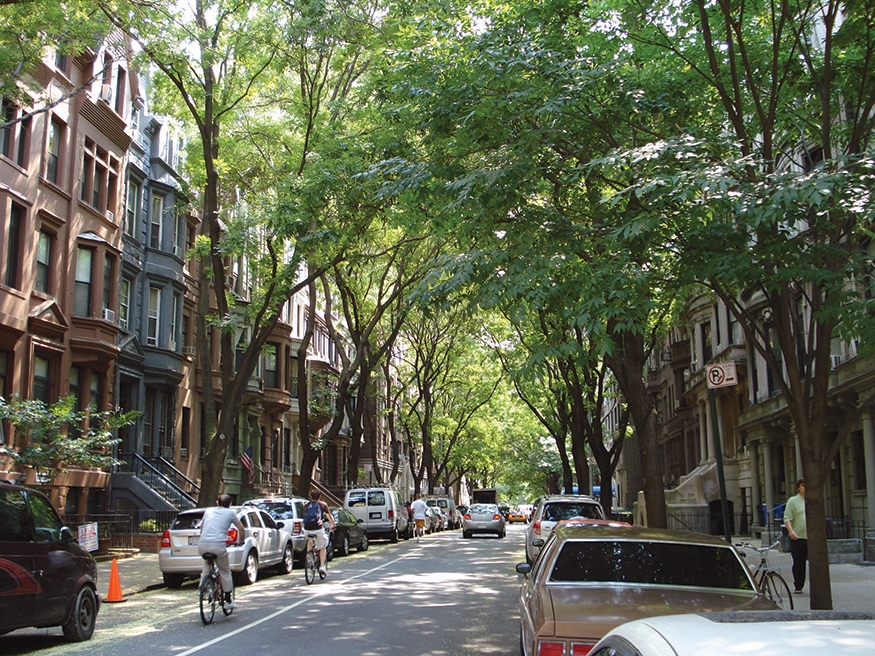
(323, 590)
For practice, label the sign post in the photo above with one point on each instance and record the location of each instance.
(720, 375)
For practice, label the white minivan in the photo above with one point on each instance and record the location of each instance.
(381, 509)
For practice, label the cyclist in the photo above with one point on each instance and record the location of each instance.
(214, 532)
(314, 515)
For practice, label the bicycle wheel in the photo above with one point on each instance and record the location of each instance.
(312, 568)
(208, 598)
(775, 588)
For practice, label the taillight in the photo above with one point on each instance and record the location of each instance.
(496, 517)
(391, 514)
(467, 515)
(580, 648)
(297, 527)
(551, 648)
(536, 527)
(232, 536)
(165, 539)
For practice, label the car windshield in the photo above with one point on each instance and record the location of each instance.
(555, 512)
(649, 563)
(479, 508)
(277, 510)
(186, 521)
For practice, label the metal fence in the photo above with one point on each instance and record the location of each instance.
(837, 528)
(115, 531)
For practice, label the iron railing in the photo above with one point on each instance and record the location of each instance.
(160, 483)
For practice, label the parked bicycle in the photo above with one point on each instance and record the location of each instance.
(311, 562)
(770, 581)
(210, 591)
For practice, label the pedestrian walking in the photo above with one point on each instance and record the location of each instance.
(794, 520)
(419, 508)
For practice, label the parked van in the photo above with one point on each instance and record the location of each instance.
(381, 509)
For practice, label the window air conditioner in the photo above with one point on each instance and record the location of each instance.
(171, 344)
(108, 315)
(106, 93)
(177, 251)
(110, 215)
(188, 350)
(183, 453)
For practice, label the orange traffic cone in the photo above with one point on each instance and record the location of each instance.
(115, 586)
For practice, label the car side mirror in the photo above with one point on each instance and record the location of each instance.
(523, 568)
(280, 524)
(67, 534)
(359, 521)
(538, 542)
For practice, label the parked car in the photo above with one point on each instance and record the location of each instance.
(46, 578)
(589, 580)
(551, 509)
(837, 633)
(349, 532)
(289, 511)
(264, 543)
(504, 510)
(432, 520)
(382, 511)
(483, 518)
(516, 515)
(448, 508)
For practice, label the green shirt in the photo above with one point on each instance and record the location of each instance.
(794, 511)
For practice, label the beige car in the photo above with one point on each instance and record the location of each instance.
(589, 580)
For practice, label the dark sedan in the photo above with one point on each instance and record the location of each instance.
(349, 533)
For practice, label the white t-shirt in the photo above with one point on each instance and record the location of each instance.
(215, 524)
(418, 507)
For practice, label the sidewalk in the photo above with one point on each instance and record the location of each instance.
(853, 586)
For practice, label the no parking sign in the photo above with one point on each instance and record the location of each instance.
(721, 374)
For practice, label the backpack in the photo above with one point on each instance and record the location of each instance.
(312, 516)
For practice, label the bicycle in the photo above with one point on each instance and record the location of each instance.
(210, 591)
(311, 562)
(767, 577)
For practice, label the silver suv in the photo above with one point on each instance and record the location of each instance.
(289, 511)
(264, 543)
(552, 509)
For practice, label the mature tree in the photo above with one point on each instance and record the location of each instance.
(58, 437)
(227, 68)
(766, 195)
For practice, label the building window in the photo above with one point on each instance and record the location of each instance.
(10, 113)
(707, 346)
(76, 386)
(12, 270)
(43, 258)
(42, 382)
(185, 431)
(153, 323)
(82, 290)
(124, 303)
(99, 177)
(108, 276)
(22, 146)
(270, 368)
(120, 80)
(174, 319)
(95, 397)
(56, 140)
(132, 207)
(61, 62)
(179, 236)
(155, 221)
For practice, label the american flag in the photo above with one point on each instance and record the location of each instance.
(246, 461)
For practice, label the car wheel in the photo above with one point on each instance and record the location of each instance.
(466, 534)
(286, 565)
(173, 580)
(364, 545)
(394, 537)
(250, 570)
(501, 534)
(344, 546)
(80, 626)
(329, 551)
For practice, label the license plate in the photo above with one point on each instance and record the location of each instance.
(375, 515)
(193, 539)
(481, 524)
